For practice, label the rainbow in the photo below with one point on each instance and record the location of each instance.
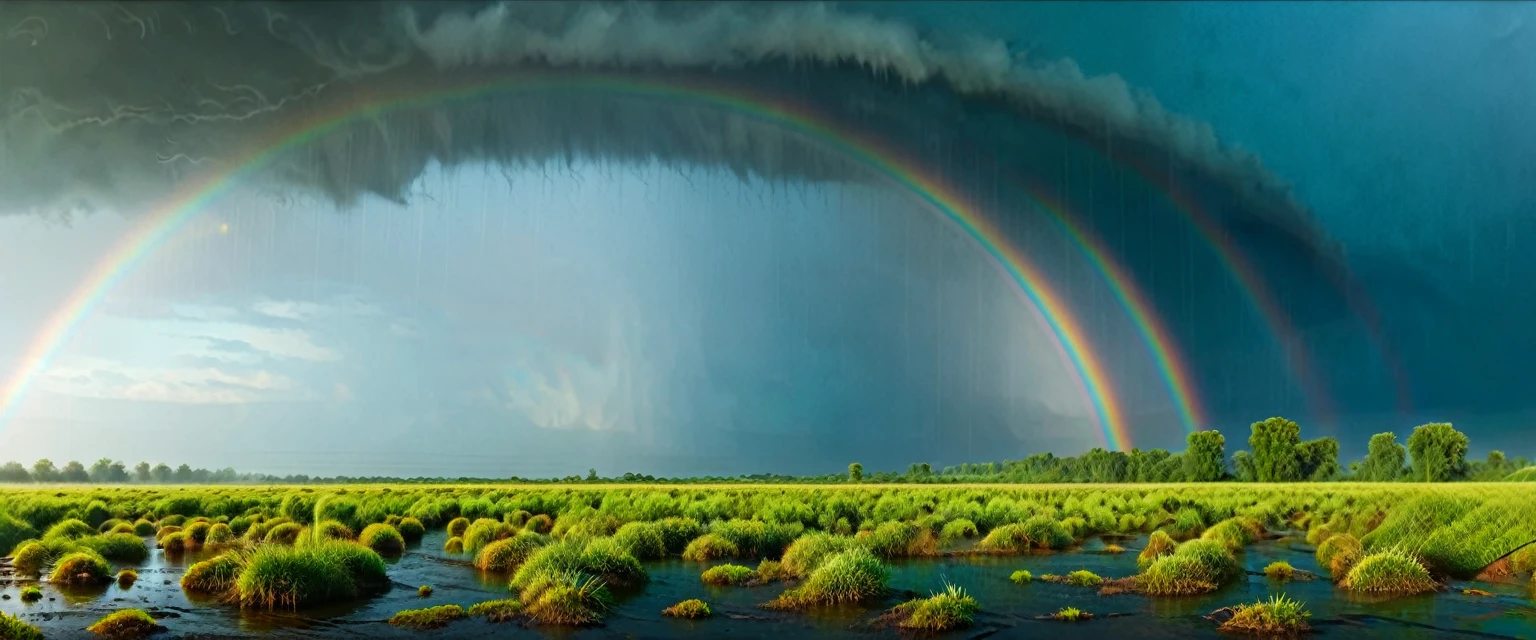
(1072, 344)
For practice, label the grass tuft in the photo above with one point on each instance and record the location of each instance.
(215, 575)
(128, 623)
(691, 609)
(428, 618)
(1393, 571)
(1278, 616)
(709, 546)
(566, 598)
(498, 610)
(31, 594)
(454, 545)
(1158, 545)
(12, 628)
(81, 567)
(1022, 576)
(855, 575)
(382, 538)
(127, 577)
(1197, 566)
(1338, 554)
(424, 591)
(1280, 570)
(726, 575)
(951, 608)
(411, 529)
(276, 576)
(1071, 614)
(30, 558)
(506, 555)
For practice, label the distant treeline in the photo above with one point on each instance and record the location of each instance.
(1276, 453)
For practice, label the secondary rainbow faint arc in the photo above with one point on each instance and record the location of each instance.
(187, 200)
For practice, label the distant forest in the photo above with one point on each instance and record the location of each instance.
(1276, 453)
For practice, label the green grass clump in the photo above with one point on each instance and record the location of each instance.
(691, 609)
(118, 547)
(13, 531)
(726, 575)
(214, 575)
(855, 575)
(285, 533)
(428, 618)
(1527, 474)
(677, 532)
(12, 628)
(411, 529)
(951, 608)
(424, 591)
(957, 530)
(334, 530)
(1197, 566)
(1038, 532)
(127, 623)
(172, 521)
(1278, 616)
(1280, 570)
(599, 557)
(1338, 554)
(1083, 578)
(809, 550)
(220, 534)
(506, 555)
(81, 567)
(1187, 523)
(643, 540)
(70, 529)
(382, 538)
(31, 594)
(1071, 614)
(276, 576)
(566, 598)
(756, 539)
(127, 577)
(540, 523)
(177, 542)
(163, 532)
(498, 610)
(902, 540)
(1392, 571)
(1230, 533)
(30, 558)
(1524, 560)
(454, 545)
(708, 547)
(485, 531)
(1022, 576)
(142, 527)
(121, 527)
(198, 531)
(457, 527)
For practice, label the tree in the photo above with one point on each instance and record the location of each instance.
(1319, 459)
(1205, 457)
(74, 472)
(1439, 452)
(1242, 467)
(14, 472)
(591, 475)
(1274, 442)
(1384, 459)
(183, 475)
(1142, 466)
(141, 472)
(855, 472)
(43, 471)
(101, 470)
(162, 473)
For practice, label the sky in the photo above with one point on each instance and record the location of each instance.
(717, 297)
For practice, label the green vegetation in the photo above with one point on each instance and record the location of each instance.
(1280, 570)
(214, 575)
(1278, 616)
(81, 567)
(1393, 571)
(691, 609)
(424, 591)
(30, 559)
(726, 575)
(1159, 544)
(506, 555)
(457, 527)
(12, 628)
(708, 547)
(31, 594)
(565, 598)
(411, 529)
(1197, 566)
(382, 538)
(1071, 614)
(454, 545)
(1338, 554)
(498, 610)
(127, 577)
(1022, 576)
(333, 530)
(855, 575)
(277, 576)
(127, 623)
(285, 533)
(951, 608)
(1083, 578)
(428, 618)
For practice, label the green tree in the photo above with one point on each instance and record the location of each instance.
(183, 474)
(141, 472)
(1319, 459)
(43, 471)
(1384, 459)
(855, 472)
(162, 473)
(1439, 452)
(101, 471)
(591, 475)
(74, 472)
(1242, 467)
(1274, 443)
(1205, 457)
(1142, 466)
(14, 472)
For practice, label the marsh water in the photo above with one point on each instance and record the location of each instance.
(1008, 610)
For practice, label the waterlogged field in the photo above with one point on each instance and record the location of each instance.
(1355, 560)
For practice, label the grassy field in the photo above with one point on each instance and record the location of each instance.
(567, 548)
